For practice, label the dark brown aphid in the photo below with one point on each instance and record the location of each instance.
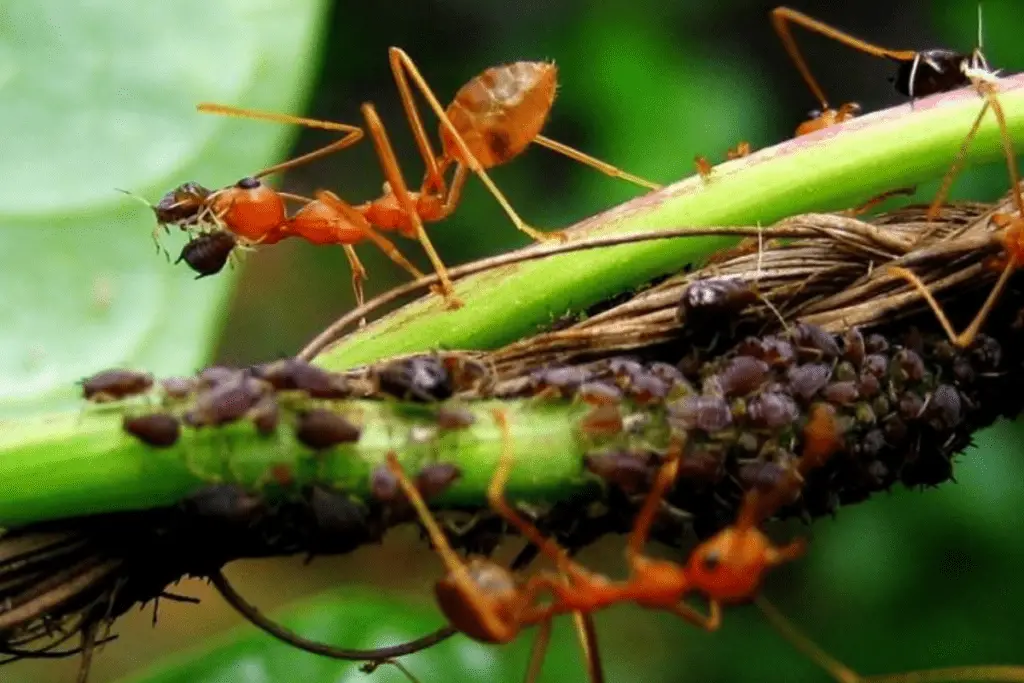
(624, 370)
(707, 413)
(560, 382)
(599, 394)
(467, 373)
(711, 298)
(113, 385)
(321, 429)
(226, 402)
(808, 379)
(159, 430)
(450, 418)
(420, 378)
(265, 415)
(646, 389)
(178, 388)
(772, 410)
(703, 463)
(669, 374)
(945, 408)
(435, 478)
(295, 374)
(742, 375)
(336, 515)
(182, 206)
(383, 485)
(814, 343)
(218, 374)
(841, 393)
(207, 253)
(604, 420)
(630, 471)
(227, 502)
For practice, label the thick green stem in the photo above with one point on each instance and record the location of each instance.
(74, 464)
(838, 168)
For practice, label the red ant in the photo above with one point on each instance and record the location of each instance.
(920, 73)
(704, 167)
(485, 601)
(491, 120)
(1011, 227)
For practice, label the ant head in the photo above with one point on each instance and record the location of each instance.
(249, 209)
(495, 589)
(728, 566)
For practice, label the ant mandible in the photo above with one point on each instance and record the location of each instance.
(491, 120)
(1010, 234)
(485, 601)
(920, 73)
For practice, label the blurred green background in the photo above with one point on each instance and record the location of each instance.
(907, 581)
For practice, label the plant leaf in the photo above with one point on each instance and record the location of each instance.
(99, 96)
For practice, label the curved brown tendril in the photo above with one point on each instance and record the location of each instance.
(333, 332)
(257, 619)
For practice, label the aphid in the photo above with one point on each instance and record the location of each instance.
(435, 478)
(182, 206)
(321, 429)
(418, 378)
(178, 388)
(295, 374)
(226, 402)
(115, 384)
(265, 415)
(919, 74)
(602, 421)
(218, 374)
(630, 471)
(742, 375)
(227, 502)
(807, 380)
(714, 299)
(706, 413)
(491, 120)
(208, 252)
(452, 418)
(160, 430)
(599, 394)
(561, 382)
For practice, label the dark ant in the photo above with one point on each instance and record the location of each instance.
(919, 74)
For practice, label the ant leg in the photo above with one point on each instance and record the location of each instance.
(358, 273)
(954, 170)
(383, 243)
(393, 175)
(370, 667)
(496, 498)
(594, 162)
(353, 134)
(452, 562)
(538, 650)
(587, 636)
(402, 64)
(965, 338)
(709, 622)
(781, 18)
(836, 669)
(645, 518)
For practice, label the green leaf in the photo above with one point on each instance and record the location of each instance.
(99, 96)
(837, 168)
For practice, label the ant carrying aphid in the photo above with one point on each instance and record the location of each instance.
(920, 72)
(486, 602)
(491, 120)
(1010, 235)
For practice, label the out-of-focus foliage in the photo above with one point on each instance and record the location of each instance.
(98, 96)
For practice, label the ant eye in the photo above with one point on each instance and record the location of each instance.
(814, 113)
(248, 184)
(712, 560)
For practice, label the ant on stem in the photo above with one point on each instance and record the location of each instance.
(1010, 235)
(920, 73)
(486, 602)
(490, 121)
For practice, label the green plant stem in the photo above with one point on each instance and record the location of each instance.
(74, 464)
(838, 168)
